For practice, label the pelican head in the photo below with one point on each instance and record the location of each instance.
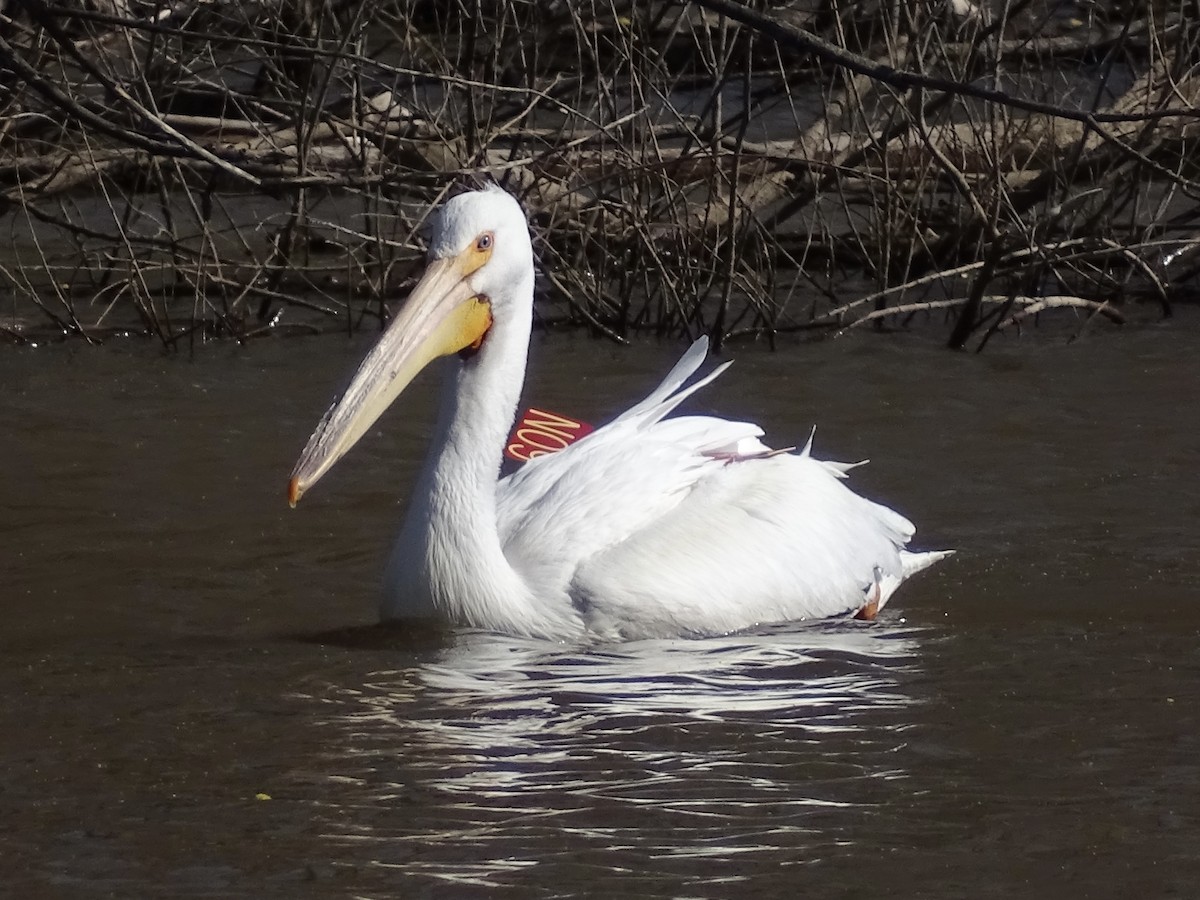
(479, 249)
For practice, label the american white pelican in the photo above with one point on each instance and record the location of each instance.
(649, 526)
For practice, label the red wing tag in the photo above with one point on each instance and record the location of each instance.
(539, 432)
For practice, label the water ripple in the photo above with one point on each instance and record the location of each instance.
(653, 760)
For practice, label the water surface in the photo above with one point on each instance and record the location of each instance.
(198, 705)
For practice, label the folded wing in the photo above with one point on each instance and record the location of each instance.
(666, 526)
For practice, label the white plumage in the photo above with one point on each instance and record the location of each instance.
(649, 526)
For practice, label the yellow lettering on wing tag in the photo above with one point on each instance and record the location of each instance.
(539, 432)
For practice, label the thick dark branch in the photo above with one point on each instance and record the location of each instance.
(798, 39)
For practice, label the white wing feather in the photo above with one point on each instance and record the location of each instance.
(673, 526)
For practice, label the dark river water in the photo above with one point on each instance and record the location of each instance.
(195, 702)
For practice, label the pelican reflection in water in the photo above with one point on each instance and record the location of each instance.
(742, 753)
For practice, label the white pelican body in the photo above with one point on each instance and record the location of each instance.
(649, 526)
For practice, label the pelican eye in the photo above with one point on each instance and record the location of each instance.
(484, 242)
